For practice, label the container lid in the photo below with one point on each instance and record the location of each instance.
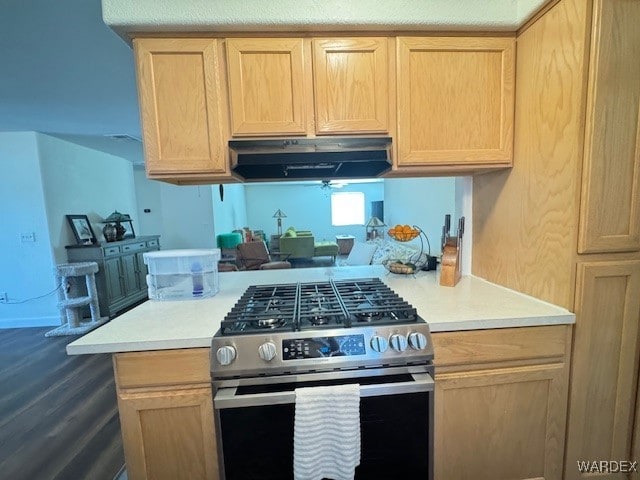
(183, 253)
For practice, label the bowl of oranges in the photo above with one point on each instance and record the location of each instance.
(403, 233)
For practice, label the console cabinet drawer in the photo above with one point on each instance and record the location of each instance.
(134, 247)
(108, 251)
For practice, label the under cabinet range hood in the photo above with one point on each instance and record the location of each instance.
(310, 158)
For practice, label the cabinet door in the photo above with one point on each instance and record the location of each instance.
(351, 83)
(604, 364)
(114, 276)
(455, 100)
(500, 423)
(181, 106)
(610, 202)
(266, 86)
(142, 270)
(131, 274)
(169, 434)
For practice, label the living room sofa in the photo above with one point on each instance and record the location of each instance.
(302, 244)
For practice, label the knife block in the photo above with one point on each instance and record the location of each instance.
(450, 263)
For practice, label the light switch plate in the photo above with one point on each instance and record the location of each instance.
(28, 237)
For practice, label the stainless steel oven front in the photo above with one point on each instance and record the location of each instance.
(255, 422)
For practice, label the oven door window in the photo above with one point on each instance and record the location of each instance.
(257, 441)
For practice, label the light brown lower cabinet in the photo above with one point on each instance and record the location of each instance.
(605, 366)
(166, 415)
(501, 403)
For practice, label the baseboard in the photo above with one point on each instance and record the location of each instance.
(50, 321)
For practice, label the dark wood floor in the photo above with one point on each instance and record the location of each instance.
(58, 413)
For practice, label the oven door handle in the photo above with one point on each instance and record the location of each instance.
(228, 398)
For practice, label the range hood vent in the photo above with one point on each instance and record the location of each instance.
(311, 158)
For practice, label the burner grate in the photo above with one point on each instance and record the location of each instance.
(316, 306)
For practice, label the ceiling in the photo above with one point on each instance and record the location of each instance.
(66, 73)
(126, 16)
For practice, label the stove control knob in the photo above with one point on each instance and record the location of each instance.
(417, 341)
(267, 351)
(226, 355)
(398, 342)
(379, 344)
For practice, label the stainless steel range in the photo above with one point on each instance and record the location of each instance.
(281, 337)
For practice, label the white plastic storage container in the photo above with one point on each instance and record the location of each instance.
(182, 274)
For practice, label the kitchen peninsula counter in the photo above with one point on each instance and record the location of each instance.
(474, 304)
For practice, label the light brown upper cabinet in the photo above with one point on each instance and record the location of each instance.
(610, 202)
(455, 100)
(351, 85)
(267, 86)
(182, 108)
(271, 81)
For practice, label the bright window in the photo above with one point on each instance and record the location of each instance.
(347, 208)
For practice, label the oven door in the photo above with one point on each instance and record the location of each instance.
(255, 424)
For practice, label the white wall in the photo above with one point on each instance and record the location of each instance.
(230, 213)
(148, 196)
(26, 269)
(82, 181)
(45, 178)
(464, 208)
(307, 206)
(422, 202)
(181, 215)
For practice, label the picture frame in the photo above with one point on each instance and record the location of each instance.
(81, 228)
(128, 225)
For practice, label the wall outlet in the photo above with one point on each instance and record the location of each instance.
(3, 297)
(28, 237)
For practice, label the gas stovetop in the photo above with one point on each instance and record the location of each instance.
(311, 327)
(317, 306)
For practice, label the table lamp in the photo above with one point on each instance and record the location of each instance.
(372, 227)
(279, 215)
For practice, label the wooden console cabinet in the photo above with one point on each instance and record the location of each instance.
(121, 278)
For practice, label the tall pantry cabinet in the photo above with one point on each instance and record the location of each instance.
(564, 224)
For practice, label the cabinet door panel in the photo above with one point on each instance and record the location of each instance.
(610, 203)
(502, 423)
(351, 80)
(114, 277)
(142, 271)
(605, 355)
(131, 274)
(169, 434)
(455, 100)
(266, 85)
(181, 105)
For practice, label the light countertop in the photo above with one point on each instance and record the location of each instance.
(471, 305)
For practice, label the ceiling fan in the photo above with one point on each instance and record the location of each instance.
(330, 184)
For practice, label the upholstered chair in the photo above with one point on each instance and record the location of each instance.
(255, 256)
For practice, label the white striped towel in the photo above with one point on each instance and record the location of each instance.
(326, 440)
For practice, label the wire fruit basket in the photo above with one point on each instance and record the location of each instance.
(406, 233)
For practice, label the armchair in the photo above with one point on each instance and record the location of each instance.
(254, 256)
